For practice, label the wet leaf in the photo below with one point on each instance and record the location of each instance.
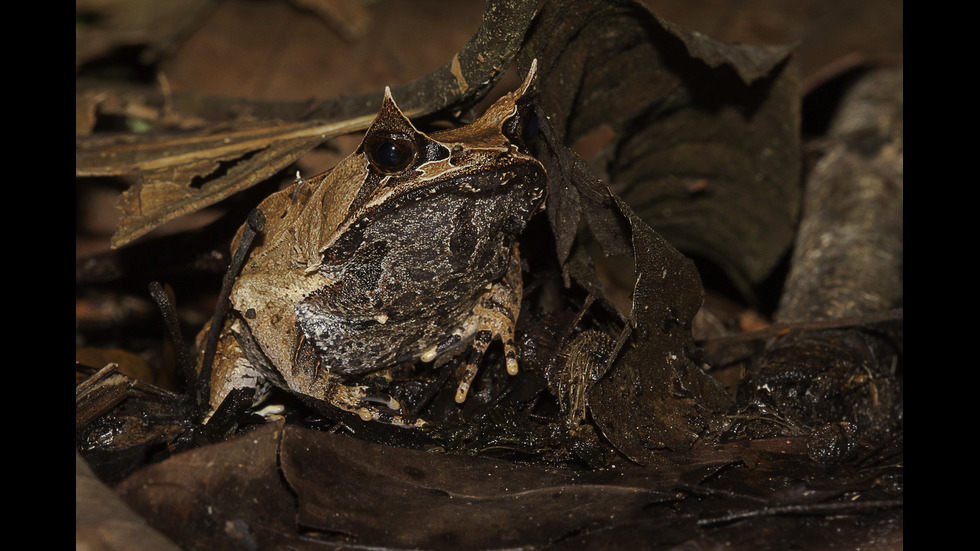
(358, 493)
(576, 195)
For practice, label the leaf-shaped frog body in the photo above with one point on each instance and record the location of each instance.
(402, 251)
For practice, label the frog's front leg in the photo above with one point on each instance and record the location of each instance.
(494, 317)
(310, 376)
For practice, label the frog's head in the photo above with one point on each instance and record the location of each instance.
(396, 163)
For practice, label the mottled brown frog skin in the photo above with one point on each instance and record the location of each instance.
(401, 252)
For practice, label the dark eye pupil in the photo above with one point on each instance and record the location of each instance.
(388, 154)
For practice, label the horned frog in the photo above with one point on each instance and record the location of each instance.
(403, 251)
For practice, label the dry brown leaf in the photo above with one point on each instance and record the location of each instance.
(230, 161)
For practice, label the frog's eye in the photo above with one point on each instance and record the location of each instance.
(391, 153)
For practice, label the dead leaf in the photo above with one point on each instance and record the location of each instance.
(352, 492)
(218, 497)
(654, 397)
(230, 161)
(334, 490)
(102, 521)
(706, 134)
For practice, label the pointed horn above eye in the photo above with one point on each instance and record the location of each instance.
(529, 79)
(390, 117)
(388, 98)
(389, 107)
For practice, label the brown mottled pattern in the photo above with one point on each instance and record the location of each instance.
(406, 247)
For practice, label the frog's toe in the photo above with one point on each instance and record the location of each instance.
(384, 400)
(372, 407)
(370, 413)
(481, 341)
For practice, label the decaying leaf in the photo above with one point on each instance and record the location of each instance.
(432, 500)
(573, 374)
